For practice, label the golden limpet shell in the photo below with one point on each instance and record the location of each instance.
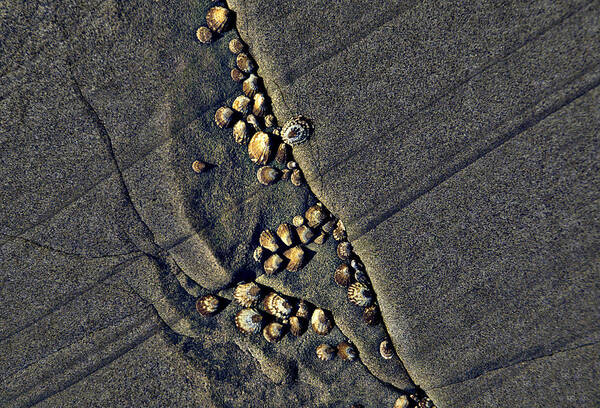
(296, 326)
(259, 148)
(240, 132)
(360, 294)
(296, 130)
(248, 321)
(291, 165)
(253, 121)
(251, 85)
(295, 256)
(346, 351)
(344, 250)
(315, 215)
(325, 352)
(298, 220)
(305, 234)
(285, 174)
(321, 324)
(199, 166)
(339, 233)
(402, 402)
(260, 106)
(303, 310)
(296, 177)
(271, 121)
(343, 275)
(207, 305)
(247, 294)
(371, 315)
(237, 75)
(241, 104)
(277, 306)
(217, 19)
(224, 116)
(204, 35)
(386, 350)
(282, 153)
(329, 226)
(236, 46)
(267, 175)
(320, 239)
(285, 232)
(259, 254)
(272, 264)
(268, 240)
(273, 332)
(245, 63)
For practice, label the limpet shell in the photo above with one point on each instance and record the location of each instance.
(295, 256)
(291, 165)
(204, 35)
(285, 174)
(296, 326)
(236, 46)
(344, 250)
(224, 116)
(402, 402)
(237, 75)
(303, 310)
(282, 153)
(259, 148)
(339, 233)
(285, 232)
(273, 332)
(271, 121)
(342, 275)
(217, 18)
(248, 321)
(346, 351)
(260, 106)
(253, 121)
(199, 166)
(242, 104)
(325, 352)
(268, 240)
(360, 294)
(320, 239)
(371, 315)
(240, 132)
(305, 234)
(321, 324)
(207, 305)
(277, 306)
(267, 175)
(247, 294)
(259, 254)
(315, 215)
(272, 264)
(361, 276)
(296, 177)
(245, 63)
(296, 130)
(298, 220)
(386, 350)
(328, 226)
(251, 85)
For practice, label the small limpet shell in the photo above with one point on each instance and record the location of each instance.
(402, 402)
(268, 240)
(342, 275)
(329, 226)
(237, 75)
(259, 148)
(224, 116)
(271, 121)
(360, 294)
(346, 351)
(267, 175)
(315, 215)
(245, 63)
(259, 254)
(298, 220)
(247, 294)
(321, 324)
(291, 165)
(339, 233)
(236, 46)
(320, 239)
(277, 306)
(273, 332)
(199, 166)
(241, 104)
(303, 310)
(295, 256)
(361, 276)
(386, 350)
(204, 35)
(344, 250)
(207, 305)
(260, 106)
(296, 130)
(217, 19)
(253, 121)
(248, 321)
(282, 153)
(325, 352)
(251, 85)
(240, 132)
(371, 315)
(305, 234)
(296, 326)
(296, 177)
(285, 174)
(285, 232)
(272, 264)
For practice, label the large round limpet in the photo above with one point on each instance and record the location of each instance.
(296, 130)
(248, 321)
(277, 306)
(320, 323)
(247, 294)
(259, 148)
(217, 19)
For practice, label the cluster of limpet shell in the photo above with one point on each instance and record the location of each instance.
(218, 20)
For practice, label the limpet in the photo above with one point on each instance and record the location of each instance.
(251, 85)
(248, 321)
(236, 46)
(199, 166)
(315, 215)
(298, 220)
(402, 402)
(267, 175)
(259, 148)
(285, 174)
(328, 226)
(285, 232)
(282, 153)
(346, 351)
(320, 239)
(344, 250)
(245, 63)
(253, 121)
(371, 315)
(240, 132)
(273, 332)
(296, 130)
(224, 116)
(360, 294)
(342, 275)
(247, 294)
(259, 108)
(258, 254)
(207, 305)
(320, 323)
(303, 310)
(296, 177)
(242, 104)
(386, 350)
(271, 121)
(268, 240)
(217, 18)
(272, 264)
(237, 75)
(296, 326)
(295, 255)
(325, 352)
(204, 35)
(339, 233)
(277, 306)
(305, 234)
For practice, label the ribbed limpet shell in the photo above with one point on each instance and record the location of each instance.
(285, 232)
(325, 352)
(347, 351)
(360, 294)
(247, 294)
(296, 130)
(339, 233)
(386, 350)
(268, 240)
(267, 175)
(303, 310)
(224, 116)
(217, 19)
(295, 255)
(272, 264)
(240, 132)
(251, 85)
(321, 324)
(320, 239)
(237, 75)
(242, 104)
(207, 305)
(271, 121)
(248, 321)
(315, 215)
(236, 46)
(343, 275)
(204, 35)
(344, 250)
(277, 306)
(259, 254)
(259, 148)
(305, 234)
(273, 332)
(245, 63)
(371, 315)
(296, 326)
(260, 105)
